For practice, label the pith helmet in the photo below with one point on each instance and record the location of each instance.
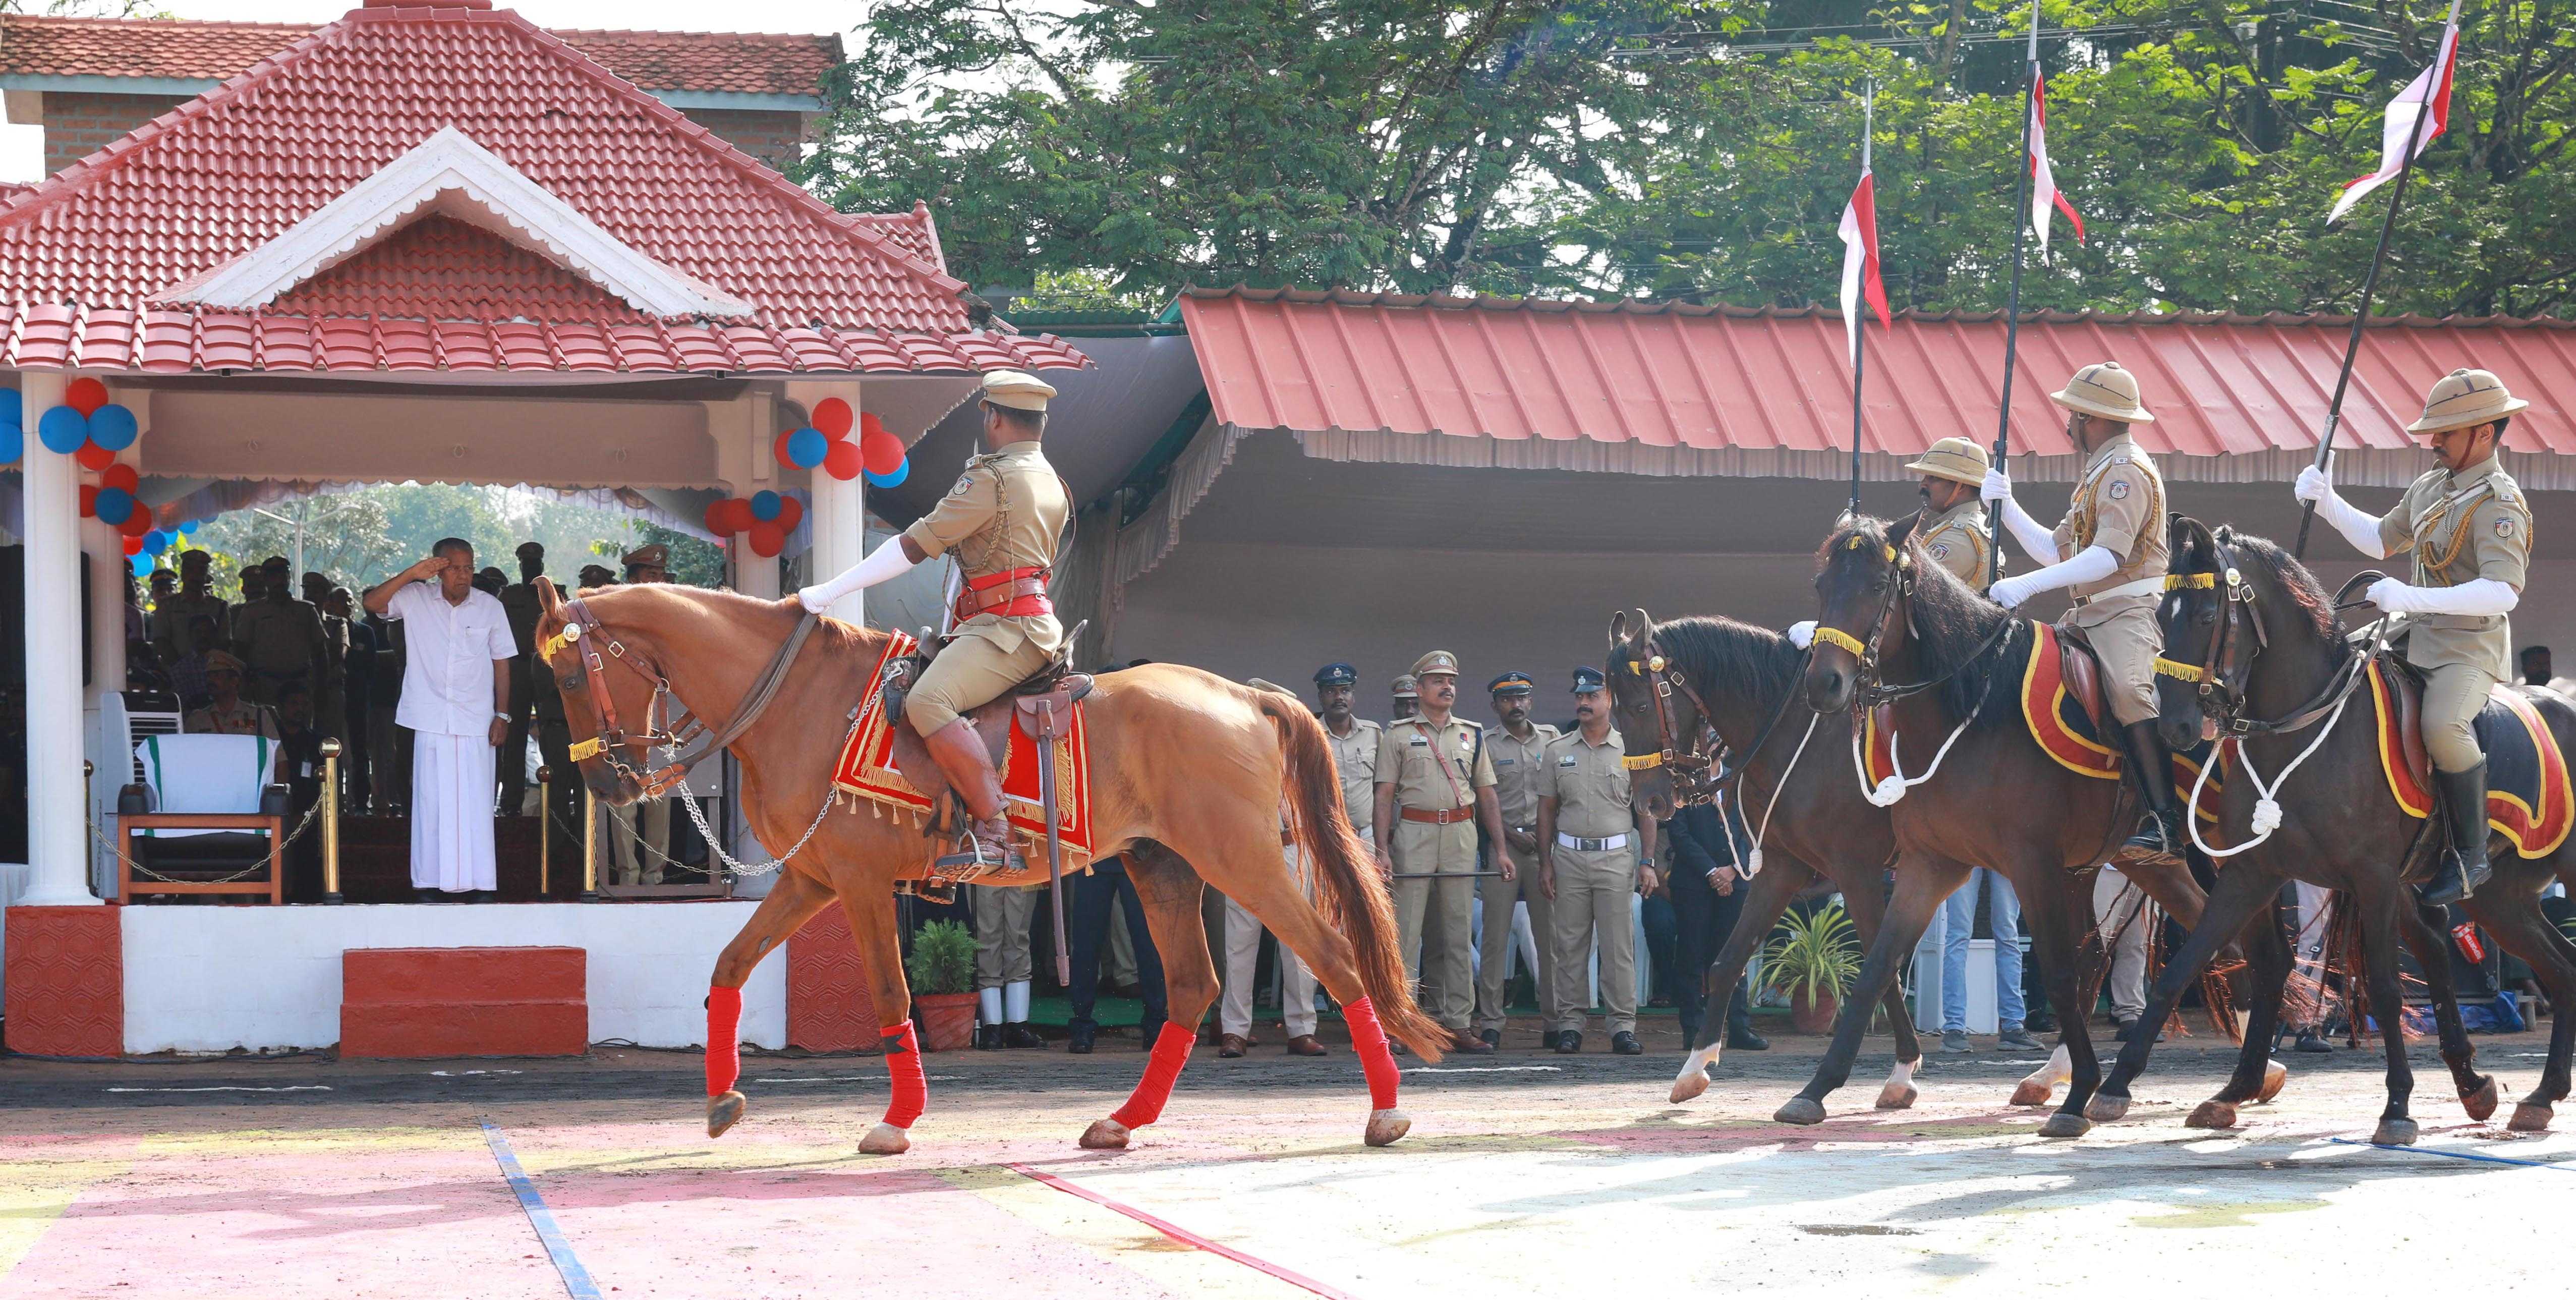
(1955, 459)
(2104, 389)
(2463, 398)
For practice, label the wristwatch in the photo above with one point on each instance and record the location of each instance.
(500, 717)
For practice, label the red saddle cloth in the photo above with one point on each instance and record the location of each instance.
(2528, 800)
(867, 768)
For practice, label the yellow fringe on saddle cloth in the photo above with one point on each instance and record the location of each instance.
(867, 770)
(2528, 799)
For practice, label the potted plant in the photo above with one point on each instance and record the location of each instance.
(941, 971)
(1813, 959)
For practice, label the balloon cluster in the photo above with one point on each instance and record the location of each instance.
(877, 454)
(86, 427)
(148, 547)
(13, 426)
(766, 518)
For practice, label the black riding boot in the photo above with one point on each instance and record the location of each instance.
(2464, 863)
(2160, 831)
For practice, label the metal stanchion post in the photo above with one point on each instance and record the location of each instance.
(589, 845)
(545, 830)
(331, 821)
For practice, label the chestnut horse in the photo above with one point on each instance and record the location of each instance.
(1187, 776)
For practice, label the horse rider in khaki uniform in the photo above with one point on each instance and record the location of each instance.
(2110, 549)
(1596, 851)
(2469, 526)
(1004, 521)
(1953, 527)
(1517, 752)
(1435, 785)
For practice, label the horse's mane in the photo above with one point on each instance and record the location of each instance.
(1723, 655)
(1951, 623)
(2293, 578)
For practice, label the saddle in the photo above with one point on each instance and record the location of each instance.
(2081, 672)
(2528, 797)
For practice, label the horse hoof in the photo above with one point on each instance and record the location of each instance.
(2528, 1118)
(724, 1111)
(1105, 1135)
(2105, 1108)
(1897, 1096)
(2212, 1114)
(2031, 1092)
(1385, 1126)
(1690, 1084)
(885, 1140)
(1800, 1110)
(2063, 1125)
(2274, 1075)
(2394, 1133)
(2481, 1103)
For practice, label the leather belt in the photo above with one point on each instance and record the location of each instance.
(1013, 593)
(1440, 816)
(1582, 845)
(2142, 587)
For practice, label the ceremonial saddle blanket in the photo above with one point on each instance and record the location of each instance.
(868, 764)
(2528, 801)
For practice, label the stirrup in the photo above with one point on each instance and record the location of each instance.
(2154, 840)
(2454, 872)
(978, 857)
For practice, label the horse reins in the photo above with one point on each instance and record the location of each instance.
(583, 630)
(1662, 679)
(2223, 700)
(1870, 692)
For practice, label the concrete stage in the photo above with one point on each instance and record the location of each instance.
(1526, 1175)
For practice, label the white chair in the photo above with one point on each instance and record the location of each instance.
(204, 811)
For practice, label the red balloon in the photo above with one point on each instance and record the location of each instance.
(94, 457)
(869, 423)
(120, 475)
(89, 502)
(790, 513)
(138, 523)
(85, 395)
(134, 546)
(767, 538)
(714, 517)
(843, 461)
(737, 516)
(832, 416)
(778, 450)
(881, 452)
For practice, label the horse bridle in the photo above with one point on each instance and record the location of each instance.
(1662, 679)
(1869, 691)
(2222, 687)
(583, 630)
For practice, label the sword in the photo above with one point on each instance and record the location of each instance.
(1055, 839)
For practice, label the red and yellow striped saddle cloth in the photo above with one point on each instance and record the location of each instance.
(2528, 800)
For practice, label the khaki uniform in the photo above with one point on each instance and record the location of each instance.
(1355, 762)
(1003, 917)
(1957, 540)
(1596, 889)
(2120, 505)
(281, 641)
(2475, 524)
(1516, 775)
(1008, 511)
(242, 719)
(1437, 769)
(169, 624)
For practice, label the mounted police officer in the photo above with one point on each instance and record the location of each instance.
(1005, 520)
(2110, 549)
(1953, 528)
(2469, 527)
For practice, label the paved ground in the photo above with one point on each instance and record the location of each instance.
(1526, 1174)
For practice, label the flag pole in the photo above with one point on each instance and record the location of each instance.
(1860, 318)
(2012, 308)
(2370, 284)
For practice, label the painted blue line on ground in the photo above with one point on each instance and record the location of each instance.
(576, 1279)
(2460, 1155)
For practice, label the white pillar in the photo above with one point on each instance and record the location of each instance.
(839, 514)
(57, 851)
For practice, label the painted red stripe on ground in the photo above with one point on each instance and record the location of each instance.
(1184, 1235)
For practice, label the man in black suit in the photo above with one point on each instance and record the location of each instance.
(1708, 889)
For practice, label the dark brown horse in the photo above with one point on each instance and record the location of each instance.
(1995, 799)
(1187, 778)
(2269, 651)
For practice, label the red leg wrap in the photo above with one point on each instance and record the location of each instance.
(1171, 1052)
(903, 1070)
(724, 1040)
(1368, 1038)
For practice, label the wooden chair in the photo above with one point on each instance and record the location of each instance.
(213, 791)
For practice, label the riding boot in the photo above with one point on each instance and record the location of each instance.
(969, 769)
(2464, 862)
(2160, 831)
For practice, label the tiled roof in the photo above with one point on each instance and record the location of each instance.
(227, 172)
(725, 62)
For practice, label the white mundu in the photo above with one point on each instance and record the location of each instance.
(448, 702)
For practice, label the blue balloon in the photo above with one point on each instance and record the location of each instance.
(901, 472)
(764, 506)
(113, 427)
(114, 505)
(190, 528)
(141, 564)
(63, 430)
(155, 542)
(13, 444)
(13, 409)
(807, 447)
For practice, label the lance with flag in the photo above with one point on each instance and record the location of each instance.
(2040, 196)
(2419, 114)
(1860, 272)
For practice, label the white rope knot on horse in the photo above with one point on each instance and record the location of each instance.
(2267, 810)
(1892, 788)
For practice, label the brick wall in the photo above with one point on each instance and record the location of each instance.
(774, 138)
(77, 126)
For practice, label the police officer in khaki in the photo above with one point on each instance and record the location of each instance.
(1406, 695)
(2469, 527)
(1004, 520)
(170, 617)
(279, 636)
(1596, 854)
(1435, 785)
(1354, 742)
(1953, 530)
(1516, 750)
(2110, 549)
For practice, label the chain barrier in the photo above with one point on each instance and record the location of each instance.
(279, 852)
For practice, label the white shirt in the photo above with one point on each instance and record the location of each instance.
(449, 649)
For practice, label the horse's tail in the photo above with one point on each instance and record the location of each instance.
(1348, 868)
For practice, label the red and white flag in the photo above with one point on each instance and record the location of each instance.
(2432, 85)
(2044, 193)
(1860, 248)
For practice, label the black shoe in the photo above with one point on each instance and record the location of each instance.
(1624, 1043)
(1745, 1040)
(2309, 1041)
(2160, 832)
(2464, 863)
(1148, 1033)
(1491, 1037)
(988, 1038)
(427, 896)
(1019, 1034)
(1569, 1042)
(1078, 1037)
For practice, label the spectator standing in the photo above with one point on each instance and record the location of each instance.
(357, 695)
(1518, 750)
(280, 637)
(1596, 854)
(188, 671)
(1435, 785)
(226, 712)
(172, 625)
(1088, 900)
(2538, 671)
(1959, 923)
(2123, 918)
(1002, 917)
(1407, 696)
(1242, 950)
(638, 835)
(457, 673)
(389, 743)
(525, 607)
(1708, 887)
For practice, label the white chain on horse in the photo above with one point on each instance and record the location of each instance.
(1753, 860)
(715, 846)
(2267, 810)
(1887, 792)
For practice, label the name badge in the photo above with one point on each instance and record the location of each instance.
(1505, 762)
(1567, 761)
(1418, 743)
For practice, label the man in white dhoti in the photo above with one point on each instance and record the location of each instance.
(456, 677)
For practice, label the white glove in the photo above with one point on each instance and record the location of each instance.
(1997, 487)
(887, 561)
(2358, 526)
(2012, 592)
(1803, 634)
(2095, 564)
(2483, 597)
(2312, 485)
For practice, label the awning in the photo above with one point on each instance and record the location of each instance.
(1676, 389)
